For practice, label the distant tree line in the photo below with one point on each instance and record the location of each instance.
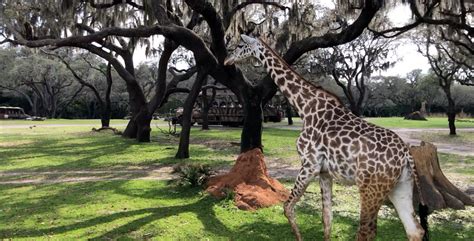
(44, 86)
(398, 96)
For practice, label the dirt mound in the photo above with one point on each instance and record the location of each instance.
(250, 182)
(415, 116)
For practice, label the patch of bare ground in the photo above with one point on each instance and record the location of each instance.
(217, 145)
(43, 177)
(15, 143)
(463, 182)
(460, 145)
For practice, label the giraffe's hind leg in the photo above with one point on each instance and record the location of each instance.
(303, 179)
(371, 199)
(401, 197)
(325, 182)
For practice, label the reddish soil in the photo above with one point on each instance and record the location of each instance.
(250, 182)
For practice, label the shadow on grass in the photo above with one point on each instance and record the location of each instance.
(92, 151)
(89, 193)
(154, 201)
(203, 208)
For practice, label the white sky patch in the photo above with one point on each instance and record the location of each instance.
(410, 59)
(400, 15)
(407, 52)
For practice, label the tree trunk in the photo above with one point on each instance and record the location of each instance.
(35, 105)
(451, 122)
(139, 123)
(131, 129)
(289, 114)
(252, 131)
(183, 149)
(437, 192)
(354, 109)
(451, 110)
(205, 110)
(107, 105)
(143, 121)
(139, 126)
(105, 117)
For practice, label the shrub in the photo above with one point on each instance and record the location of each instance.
(192, 174)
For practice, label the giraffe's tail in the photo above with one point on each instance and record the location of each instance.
(414, 174)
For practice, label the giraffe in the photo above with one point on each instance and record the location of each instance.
(336, 144)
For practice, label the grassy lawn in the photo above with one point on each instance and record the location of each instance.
(151, 209)
(459, 167)
(154, 210)
(67, 122)
(432, 122)
(389, 122)
(77, 148)
(462, 138)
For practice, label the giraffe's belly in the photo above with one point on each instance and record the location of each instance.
(341, 168)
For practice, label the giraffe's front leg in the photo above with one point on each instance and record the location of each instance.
(325, 182)
(309, 168)
(303, 179)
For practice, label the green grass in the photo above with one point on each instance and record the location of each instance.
(148, 209)
(462, 138)
(389, 122)
(67, 122)
(432, 122)
(77, 148)
(462, 167)
(152, 209)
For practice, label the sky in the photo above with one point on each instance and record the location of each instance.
(410, 58)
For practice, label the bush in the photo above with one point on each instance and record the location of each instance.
(192, 174)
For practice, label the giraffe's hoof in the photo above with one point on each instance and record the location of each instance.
(418, 236)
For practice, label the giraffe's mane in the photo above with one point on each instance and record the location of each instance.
(297, 74)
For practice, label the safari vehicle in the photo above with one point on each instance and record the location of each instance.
(7, 112)
(227, 111)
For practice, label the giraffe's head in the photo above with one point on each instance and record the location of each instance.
(247, 47)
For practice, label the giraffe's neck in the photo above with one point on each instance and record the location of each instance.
(296, 89)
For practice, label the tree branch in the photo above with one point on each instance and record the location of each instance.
(215, 24)
(215, 87)
(113, 3)
(228, 16)
(426, 19)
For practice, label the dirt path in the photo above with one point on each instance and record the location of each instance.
(465, 150)
(407, 134)
(47, 177)
(275, 170)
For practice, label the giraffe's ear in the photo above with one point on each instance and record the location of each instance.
(247, 39)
